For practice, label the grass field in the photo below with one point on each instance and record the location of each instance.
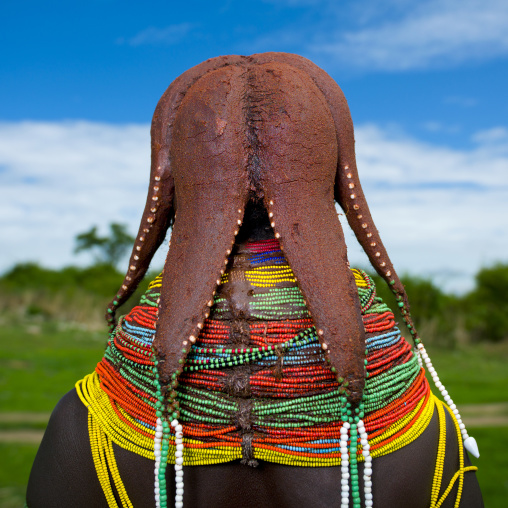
(42, 361)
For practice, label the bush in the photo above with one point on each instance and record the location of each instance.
(76, 294)
(29, 291)
(487, 304)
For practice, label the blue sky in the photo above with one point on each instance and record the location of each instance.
(426, 84)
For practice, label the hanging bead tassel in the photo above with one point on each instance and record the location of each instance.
(353, 466)
(469, 442)
(161, 475)
(178, 463)
(160, 445)
(157, 442)
(367, 470)
(344, 465)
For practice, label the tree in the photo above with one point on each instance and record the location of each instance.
(488, 304)
(106, 249)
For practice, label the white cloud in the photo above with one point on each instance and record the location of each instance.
(168, 35)
(460, 100)
(58, 179)
(440, 211)
(433, 33)
(434, 126)
(497, 138)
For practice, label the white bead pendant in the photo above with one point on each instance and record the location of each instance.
(367, 470)
(469, 442)
(157, 441)
(178, 463)
(344, 465)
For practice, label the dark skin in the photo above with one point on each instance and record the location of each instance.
(63, 473)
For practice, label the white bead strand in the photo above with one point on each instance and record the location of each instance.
(178, 463)
(367, 470)
(344, 465)
(157, 452)
(469, 442)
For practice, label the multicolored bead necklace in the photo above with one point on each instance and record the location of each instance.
(259, 392)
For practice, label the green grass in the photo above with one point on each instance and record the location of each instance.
(475, 374)
(492, 465)
(14, 470)
(42, 361)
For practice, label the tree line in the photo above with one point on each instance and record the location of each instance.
(29, 290)
(478, 315)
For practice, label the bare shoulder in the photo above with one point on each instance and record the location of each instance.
(63, 473)
(471, 496)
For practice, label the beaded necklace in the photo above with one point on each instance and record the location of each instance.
(287, 407)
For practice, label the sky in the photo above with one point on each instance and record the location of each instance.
(425, 81)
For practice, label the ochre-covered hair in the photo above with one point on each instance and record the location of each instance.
(276, 129)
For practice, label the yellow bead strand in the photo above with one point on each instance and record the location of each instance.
(408, 437)
(460, 473)
(438, 472)
(115, 474)
(359, 278)
(100, 461)
(269, 276)
(156, 283)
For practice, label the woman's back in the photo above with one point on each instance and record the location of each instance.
(260, 413)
